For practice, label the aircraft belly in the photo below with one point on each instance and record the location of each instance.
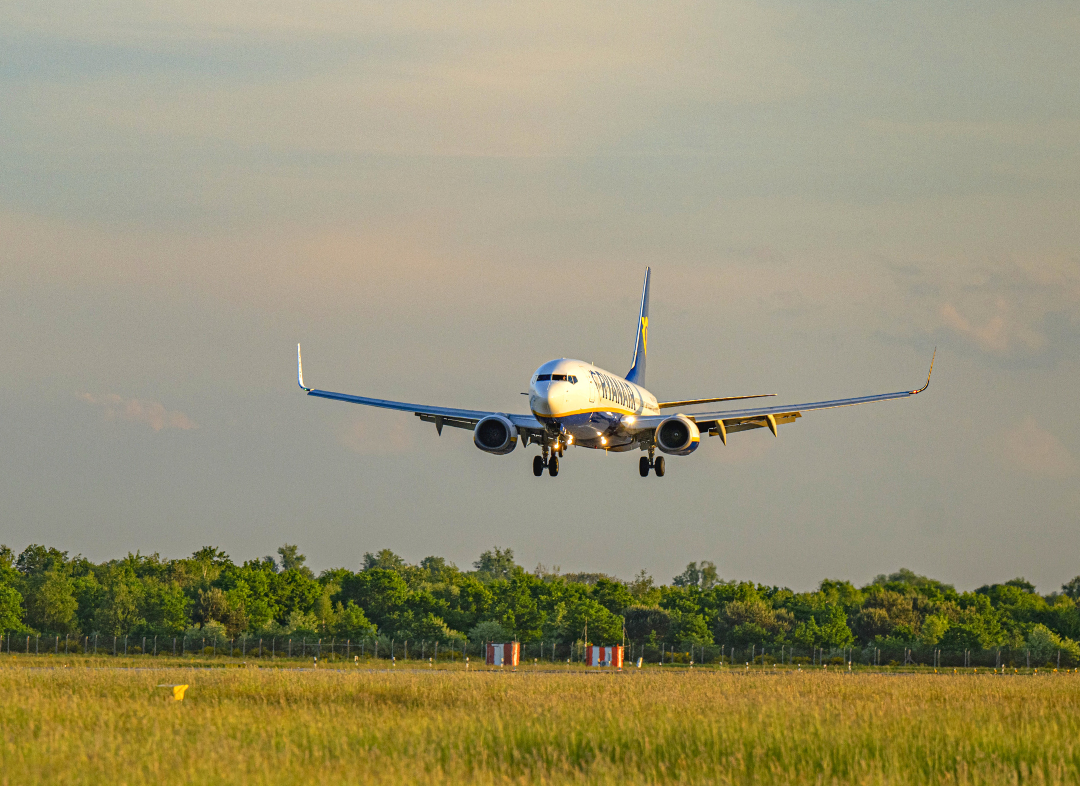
(584, 427)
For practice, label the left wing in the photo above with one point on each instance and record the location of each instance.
(440, 416)
(722, 423)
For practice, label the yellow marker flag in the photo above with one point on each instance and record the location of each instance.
(177, 691)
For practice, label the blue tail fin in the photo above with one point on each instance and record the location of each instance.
(641, 346)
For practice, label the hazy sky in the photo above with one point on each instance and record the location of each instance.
(437, 198)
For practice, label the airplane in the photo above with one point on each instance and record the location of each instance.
(576, 404)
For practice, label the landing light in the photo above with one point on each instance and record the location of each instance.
(630, 419)
(570, 440)
(603, 440)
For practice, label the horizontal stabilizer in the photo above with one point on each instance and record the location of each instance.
(691, 401)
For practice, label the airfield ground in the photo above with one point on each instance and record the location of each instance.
(96, 720)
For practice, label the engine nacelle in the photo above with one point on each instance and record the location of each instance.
(677, 436)
(495, 434)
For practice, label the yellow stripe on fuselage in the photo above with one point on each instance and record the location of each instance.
(613, 410)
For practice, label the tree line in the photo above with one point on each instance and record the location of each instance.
(43, 591)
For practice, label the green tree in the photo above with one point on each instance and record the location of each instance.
(496, 564)
(324, 609)
(383, 560)
(1044, 646)
(1072, 588)
(380, 593)
(165, 608)
(50, 601)
(119, 612)
(11, 600)
(647, 624)
(612, 595)
(490, 630)
(643, 589)
(292, 559)
(934, 628)
(349, 622)
(689, 577)
(688, 629)
(604, 627)
(37, 559)
(11, 609)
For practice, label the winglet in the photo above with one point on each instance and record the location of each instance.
(300, 369)
(931, 371)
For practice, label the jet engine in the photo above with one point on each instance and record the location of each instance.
(495, 434)
(677, 436)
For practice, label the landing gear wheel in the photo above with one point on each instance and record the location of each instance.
(538, 466)
(553, 465)
(658, 467)
(643, 467)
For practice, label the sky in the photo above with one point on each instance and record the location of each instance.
(437, 198)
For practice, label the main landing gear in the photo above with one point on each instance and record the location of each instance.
(552, 462)
(655, 464)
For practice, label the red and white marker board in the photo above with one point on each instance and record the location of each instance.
(503, 654)
(604, 656)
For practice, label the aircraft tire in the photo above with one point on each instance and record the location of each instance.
(658, 467)
(538, 465)
(643, 467)
(553, 465)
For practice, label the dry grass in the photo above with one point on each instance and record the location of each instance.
(88, 725)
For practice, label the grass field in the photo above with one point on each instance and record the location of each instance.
(87, 724)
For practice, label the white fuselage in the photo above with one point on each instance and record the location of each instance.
(589, 404)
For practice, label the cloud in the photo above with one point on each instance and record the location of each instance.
(1013, 309)
(1034, 450)
(151, 413)
(999, 334)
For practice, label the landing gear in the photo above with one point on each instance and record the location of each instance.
(655, 464)
(548, 459)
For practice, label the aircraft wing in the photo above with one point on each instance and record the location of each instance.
(728, 421)
(440, 416)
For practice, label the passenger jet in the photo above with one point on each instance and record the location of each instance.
(576, 404)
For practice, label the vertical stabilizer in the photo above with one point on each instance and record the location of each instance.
(641, 345)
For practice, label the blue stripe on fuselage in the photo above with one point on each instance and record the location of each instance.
(584, 425)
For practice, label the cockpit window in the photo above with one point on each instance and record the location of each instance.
(558, 377)
(543, 377)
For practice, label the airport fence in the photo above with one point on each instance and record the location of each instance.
(380, 648)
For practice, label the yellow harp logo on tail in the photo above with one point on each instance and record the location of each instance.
(645, 335)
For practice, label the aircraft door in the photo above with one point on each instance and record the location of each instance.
(592, 389)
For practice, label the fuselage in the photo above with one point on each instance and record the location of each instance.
(587, 403)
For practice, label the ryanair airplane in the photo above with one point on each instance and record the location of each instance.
(576, 404)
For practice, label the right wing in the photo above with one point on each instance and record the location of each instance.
(723, 423)
(440, 416)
